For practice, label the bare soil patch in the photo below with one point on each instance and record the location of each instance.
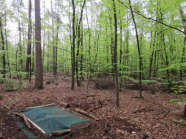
(135, 118)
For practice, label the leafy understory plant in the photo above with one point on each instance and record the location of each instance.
(180, 121)
(180, 100)
(5, 106)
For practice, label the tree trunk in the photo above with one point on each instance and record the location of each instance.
(33, 53)
(139, 51)
(115, 55)
(121, 54)
(78, 45)
(73, 46)
(112, 46)
(183, 20)
(184, 44)
(19, 44)
(39, 66)
(28, 60)
(53, 42)
(152, 55)
(7, 53)
(81, 59)
(89, 50)
(77, 55)
(44, 39)
(3, 49)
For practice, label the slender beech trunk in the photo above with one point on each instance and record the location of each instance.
(166, 62)
(19, 44)
(184, 45)
(77, 55)
(53, 42)
(28, 60)
(56, 48)
(115, 55)
(152, 55)
(183, 20)
(33, 54)
(121, 53)
(139, 51)
(44, 40)
(78, 44)
(166, 55)
(81, 58)
(7, 53)
(16, 59)
(73, 46)
(127, 46)
(112, 46)
(3, 49)
(89, 49)
(48, 53)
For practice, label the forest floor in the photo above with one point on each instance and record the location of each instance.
(135, 118)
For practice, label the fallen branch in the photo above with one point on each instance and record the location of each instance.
(143, 110)
(24, 118)
(93, 95)
(161, 117)
(41, 106)
(36, 126)
(59, 133)
(27, 120)
(87, 114)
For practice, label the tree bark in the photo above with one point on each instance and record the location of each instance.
(121, 54)
(19, 44)
(28, 60)
(39, 66)
(115, 55)
(78, 45)
(112, 46)
(139, 51)
(184, 44)
(73, 46)
(3, 49)
(183, 20)
(7, 52)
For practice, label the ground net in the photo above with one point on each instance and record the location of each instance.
(51, 118)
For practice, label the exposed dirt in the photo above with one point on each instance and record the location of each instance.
(135, 118)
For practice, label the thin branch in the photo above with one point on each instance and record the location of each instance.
(149, 18)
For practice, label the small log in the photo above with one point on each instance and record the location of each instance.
(64, 104)
(93, 95)
(41, 106)
(86, 126)
(143, 110)
(87, 114)
(36, 126)
(24, 118)
(27, 120)
(59, 133)
(140, 110)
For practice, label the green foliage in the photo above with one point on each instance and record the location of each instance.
(2, 80)
(5, 106)
(178, 88)
(180, 121)
(1, 97)
(177, 111)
